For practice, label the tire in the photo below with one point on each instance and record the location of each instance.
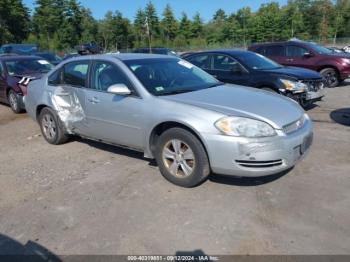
(12, 98)
(331, 76)
(191, 168)
(51, 127)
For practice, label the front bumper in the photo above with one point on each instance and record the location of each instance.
(249, 157)
(315, 95)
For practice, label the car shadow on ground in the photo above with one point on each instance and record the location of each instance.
(216, 178)
(115, 149)
(12, 250)
(341, 116)
(247, 181)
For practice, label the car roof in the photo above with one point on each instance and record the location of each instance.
(122, 56)
(283, 43)
(223, 51)
(6, 57)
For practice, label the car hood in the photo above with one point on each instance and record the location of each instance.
(295, 72)
(232, 100)
(339, 55)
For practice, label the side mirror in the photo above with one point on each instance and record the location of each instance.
(308, 54)
(119, 89)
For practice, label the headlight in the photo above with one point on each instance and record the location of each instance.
(244, 127)
(293, 85)
(346, 60)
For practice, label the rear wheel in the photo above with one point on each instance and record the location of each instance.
(331, 76)
(181, 158)
(51, 127)
(13, 100)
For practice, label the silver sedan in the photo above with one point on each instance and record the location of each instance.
(172, 111)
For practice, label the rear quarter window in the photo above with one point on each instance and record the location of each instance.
(274, 50)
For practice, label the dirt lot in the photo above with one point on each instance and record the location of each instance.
(88, 198)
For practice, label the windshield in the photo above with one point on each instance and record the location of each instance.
(27, 66)
(256, 61)
(320, 49)
(170, 76)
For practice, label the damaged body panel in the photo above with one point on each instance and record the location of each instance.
(68, 107)
(131, 100)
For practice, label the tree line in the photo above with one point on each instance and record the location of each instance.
(62, 24)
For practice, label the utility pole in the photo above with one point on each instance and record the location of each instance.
(149, 36)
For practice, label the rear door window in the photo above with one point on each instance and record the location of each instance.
(296, 51)
(274, 50)
(224, 63)
(55, 78)
(202, 61)
(75, 73)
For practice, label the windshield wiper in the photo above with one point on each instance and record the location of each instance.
(175, 92)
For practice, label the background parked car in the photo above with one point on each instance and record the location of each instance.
(20, 49)
(49, 56)
(186, 119)
(155, 50)
(346, 48)
(251, 69)
(15, 73)
(332, 66)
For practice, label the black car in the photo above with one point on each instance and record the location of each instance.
(15, 73)
(155, 50)
(250, 69)
(49, 56)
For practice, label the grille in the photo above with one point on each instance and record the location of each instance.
(259, 164)
(292, 127)
(314, 85)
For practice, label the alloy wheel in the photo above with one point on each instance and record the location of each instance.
(331, 78)
(49, 126)
(13, 101)
(178, 158)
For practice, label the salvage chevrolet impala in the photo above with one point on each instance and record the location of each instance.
(172, 111)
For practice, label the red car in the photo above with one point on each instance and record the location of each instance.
(15, 73)
(334, 67)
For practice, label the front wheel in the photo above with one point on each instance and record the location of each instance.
(181, 158)
(13, 100)
(51, 128)
(331, 76)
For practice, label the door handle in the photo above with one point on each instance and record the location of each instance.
(215, 76)
(93, 100)
(289, 59)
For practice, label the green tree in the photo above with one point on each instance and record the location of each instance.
(268, 23)
(70, 31)
(152, 19)
(197, 26)
(169, 24)
(89, 27)
(185, 27)
(293, 24)
(139, 27)
(14, 21)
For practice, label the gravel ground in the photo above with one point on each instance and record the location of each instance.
(89, 198)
